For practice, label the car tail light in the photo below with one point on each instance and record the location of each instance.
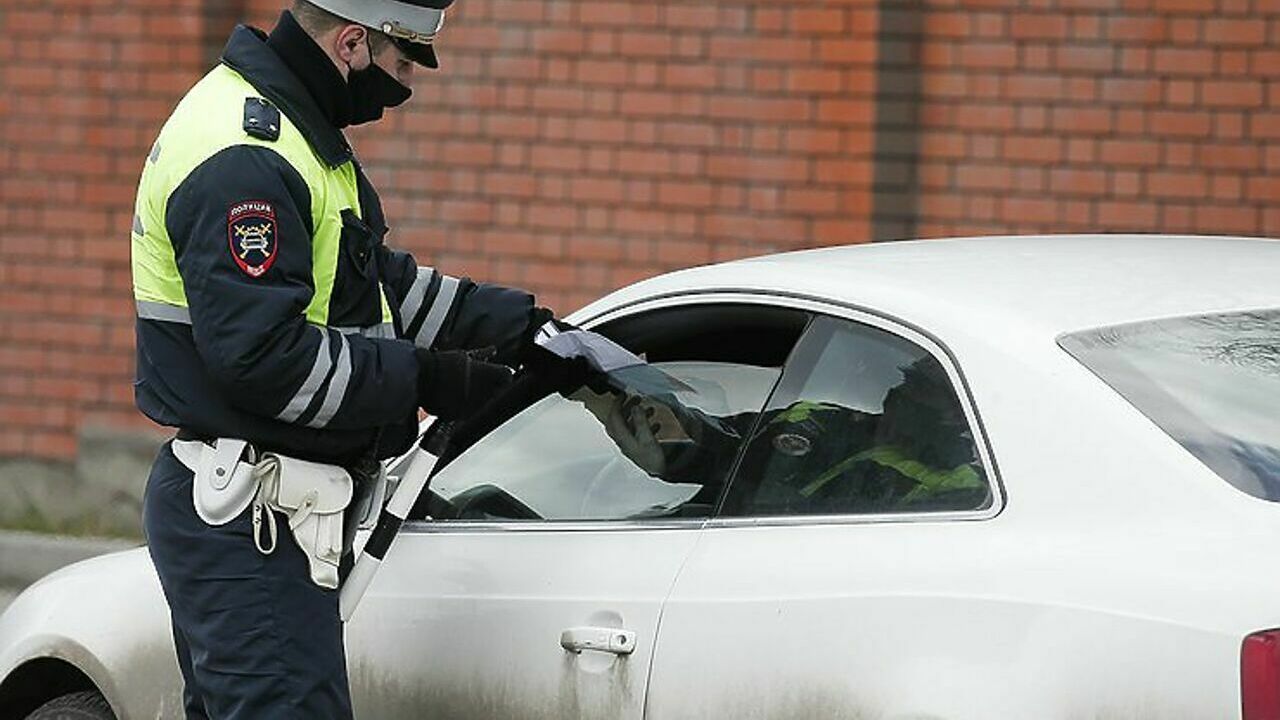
(1260, 675)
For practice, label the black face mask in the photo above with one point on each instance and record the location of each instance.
(373, 90)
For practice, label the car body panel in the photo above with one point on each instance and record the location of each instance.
(910, 621)
(1116, 579)
(107, 616)
(1019, 289)
(465, 622)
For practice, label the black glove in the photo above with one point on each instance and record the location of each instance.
(538, 317)
(452, 384)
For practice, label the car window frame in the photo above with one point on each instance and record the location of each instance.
(880, 320)
(851, 315)
(794, 301)
(616, 313)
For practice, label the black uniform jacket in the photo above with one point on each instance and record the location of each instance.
(235, 369)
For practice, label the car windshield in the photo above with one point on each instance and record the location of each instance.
(1212, 382)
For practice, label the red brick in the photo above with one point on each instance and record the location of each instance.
(1184, 61)
(1144, 91)
(1152, 28)
(814, 80)
(987, 55)
(1125, 183)
(1034, 87)
(1265, 189)
(645, 44)
(1177, 185)
(1033, 149)
(1226, 220)
(702, 17)
(1231, 157)
(1117, 216)
(1027, 26)
(1177, 123)
(686, 75)
(765, 109)
(1088, 58)
(1224, 31)
(755, 168)
(846, 51)
(812, 141)
(811, 201)
(819, 21)
(1225, 188)
(1082, 120)
(685, 194)
(1016, 209)
(1078, 182)
(760, 49)
(983, 177)
(851, 173)
(1231, 93)
(841, 232)
(1229, 126)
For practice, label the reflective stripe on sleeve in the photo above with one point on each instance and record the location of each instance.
(337, 387)
(163, 312)
(138, 229)
(439, 309)
(413, 299)
(307, 392)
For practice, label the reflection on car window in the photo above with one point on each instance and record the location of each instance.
(1211, 382)
(561, 459)
(865, 422)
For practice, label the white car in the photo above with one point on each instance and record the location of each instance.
(1026, 478)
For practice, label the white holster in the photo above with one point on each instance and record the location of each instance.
(312, 495)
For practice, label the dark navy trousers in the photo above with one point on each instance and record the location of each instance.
(255, 637)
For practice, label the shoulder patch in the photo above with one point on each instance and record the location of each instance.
(261, 119)
(251, 236)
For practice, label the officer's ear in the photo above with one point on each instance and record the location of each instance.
(351, 45)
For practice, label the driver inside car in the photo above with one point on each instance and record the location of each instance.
(809, 456)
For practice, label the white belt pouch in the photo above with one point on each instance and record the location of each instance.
(312, 495)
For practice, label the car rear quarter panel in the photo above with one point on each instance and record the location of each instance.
(882, 621)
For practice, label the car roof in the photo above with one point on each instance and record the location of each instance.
(1044, 284)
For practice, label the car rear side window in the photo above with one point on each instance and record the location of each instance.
(863, 422)
(1212, 382)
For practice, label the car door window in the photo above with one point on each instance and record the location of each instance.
(563, 459)
(863, 422)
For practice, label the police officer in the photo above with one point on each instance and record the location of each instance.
(270, 310)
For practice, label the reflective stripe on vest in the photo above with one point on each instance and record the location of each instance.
(928, 480)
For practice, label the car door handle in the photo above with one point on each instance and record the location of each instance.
(602, 639)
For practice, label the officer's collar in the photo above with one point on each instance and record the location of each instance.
(248, 54)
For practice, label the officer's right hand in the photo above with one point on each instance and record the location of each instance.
(453, 384)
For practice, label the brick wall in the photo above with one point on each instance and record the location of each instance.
(572, 146)
(83, 86)
(1086, 115)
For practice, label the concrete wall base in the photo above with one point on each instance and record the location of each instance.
(99, 494)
